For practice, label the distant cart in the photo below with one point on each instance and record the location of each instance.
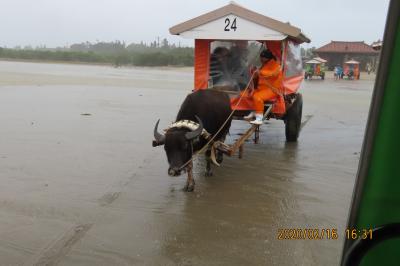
(241, 34)
(314, 68)
(351, 69)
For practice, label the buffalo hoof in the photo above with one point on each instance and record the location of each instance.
(208, 173)
(188, 187)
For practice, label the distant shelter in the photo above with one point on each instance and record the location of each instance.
(377, 45)
(338, 52)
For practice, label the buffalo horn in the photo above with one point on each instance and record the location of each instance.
(195, 133)
(159, 138)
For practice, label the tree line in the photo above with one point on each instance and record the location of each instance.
(116, 53)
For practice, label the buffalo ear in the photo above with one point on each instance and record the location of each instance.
(155, 143)
(159, 138)
(194, 134)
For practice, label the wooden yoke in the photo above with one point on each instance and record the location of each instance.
(231, 149)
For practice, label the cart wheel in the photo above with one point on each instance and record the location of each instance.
(293, 119)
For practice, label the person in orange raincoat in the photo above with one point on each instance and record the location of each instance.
(269, 78)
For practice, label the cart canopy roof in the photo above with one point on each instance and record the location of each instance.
(313, 61)
(234, 22)
(352, 62)
(320, 59)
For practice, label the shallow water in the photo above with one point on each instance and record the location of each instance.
(90, 190)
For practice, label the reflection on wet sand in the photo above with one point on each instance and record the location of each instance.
(61, 170)
(233, 217)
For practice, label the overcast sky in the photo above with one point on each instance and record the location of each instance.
(64, 22)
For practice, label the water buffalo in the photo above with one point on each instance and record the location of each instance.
(200, 117)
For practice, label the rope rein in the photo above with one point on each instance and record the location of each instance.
(223, 125)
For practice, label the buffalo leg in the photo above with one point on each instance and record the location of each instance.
(208, 166)
(189, 187)
(220, 155)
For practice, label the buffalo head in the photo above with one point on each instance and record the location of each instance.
(177, 143)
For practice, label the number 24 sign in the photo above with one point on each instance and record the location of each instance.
(230, 26)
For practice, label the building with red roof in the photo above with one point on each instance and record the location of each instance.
(377, 45)
(338, 52)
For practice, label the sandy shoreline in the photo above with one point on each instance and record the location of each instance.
(90, 190)
(183, 68)
(14, 73)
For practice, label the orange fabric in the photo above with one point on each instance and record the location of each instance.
(270, 75)
(356, 71)
(201, 64)
(260, 96)
(269, 84)
(288, 85)
(276, 48)
(279, 106)
(292, 84)
(246, 103)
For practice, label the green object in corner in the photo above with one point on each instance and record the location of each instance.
(376, 198)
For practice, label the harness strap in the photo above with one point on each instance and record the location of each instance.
(222, 126)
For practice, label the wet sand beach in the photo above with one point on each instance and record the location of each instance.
(81, 184)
